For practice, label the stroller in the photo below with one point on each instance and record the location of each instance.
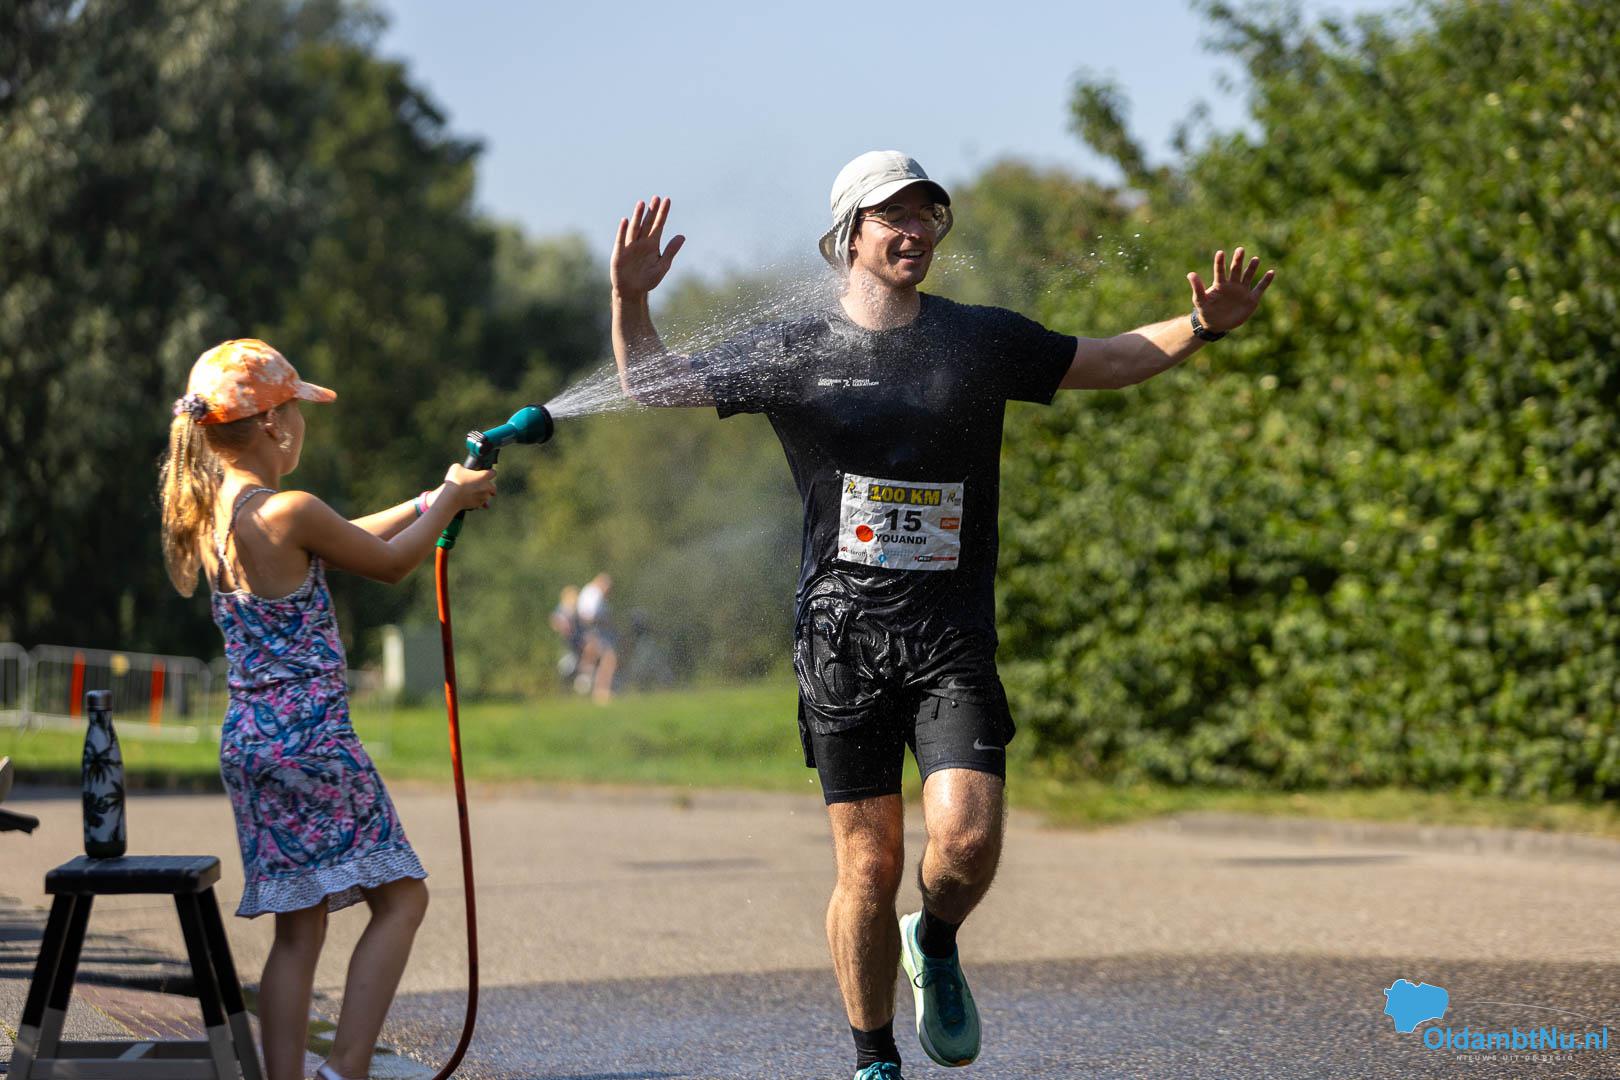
(10, 821)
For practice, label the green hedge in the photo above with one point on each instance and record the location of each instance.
(1372, 537)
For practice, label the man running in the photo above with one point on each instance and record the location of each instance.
(889, 407)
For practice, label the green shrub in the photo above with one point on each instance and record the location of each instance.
(1371, 538)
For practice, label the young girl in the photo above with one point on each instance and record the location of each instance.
(317, 830)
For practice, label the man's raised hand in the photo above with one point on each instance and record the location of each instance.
(1228, 304)
(638, 265)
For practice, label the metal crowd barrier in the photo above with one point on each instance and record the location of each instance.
(14, 665)
(154, 696)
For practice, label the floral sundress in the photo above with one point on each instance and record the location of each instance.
(313, 819)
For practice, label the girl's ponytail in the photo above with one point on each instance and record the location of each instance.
(188, 483)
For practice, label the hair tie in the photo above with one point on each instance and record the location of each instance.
(192, 405)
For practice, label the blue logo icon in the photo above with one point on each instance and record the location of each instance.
(1410, 1004)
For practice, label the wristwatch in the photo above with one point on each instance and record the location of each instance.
(1203, 332)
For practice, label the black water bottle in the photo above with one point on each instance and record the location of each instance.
(103, 780)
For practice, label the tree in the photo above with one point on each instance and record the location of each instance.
(180, 172)
(155, 200)
(1023, 235)
(1371, 537)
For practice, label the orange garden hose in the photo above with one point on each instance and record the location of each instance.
(530, 424)
(441, 581)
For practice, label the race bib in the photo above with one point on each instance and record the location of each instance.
(900, 524)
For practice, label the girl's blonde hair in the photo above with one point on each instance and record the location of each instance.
(188, 485)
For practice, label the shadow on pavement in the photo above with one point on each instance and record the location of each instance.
(1189, 1017)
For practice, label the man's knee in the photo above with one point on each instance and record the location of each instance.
(875, 868)
(964, 819)
(869, 839)
(971, 846)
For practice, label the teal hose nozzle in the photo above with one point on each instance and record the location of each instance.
(530, 425)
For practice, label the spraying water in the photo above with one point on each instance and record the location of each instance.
(797, 290)
(596, 393)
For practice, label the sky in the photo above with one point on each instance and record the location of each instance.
(742, 113)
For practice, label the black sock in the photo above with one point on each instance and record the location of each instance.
(874, 1046)
(936, 937)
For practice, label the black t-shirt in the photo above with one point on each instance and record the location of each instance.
(894, 439)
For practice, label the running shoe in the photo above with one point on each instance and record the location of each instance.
(882, 1070)
(947, 1020)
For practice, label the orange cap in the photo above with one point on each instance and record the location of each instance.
(240, 378)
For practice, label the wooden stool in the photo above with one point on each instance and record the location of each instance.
(228, 1052)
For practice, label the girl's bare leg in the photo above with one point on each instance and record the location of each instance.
(374, 971)
(285, 988)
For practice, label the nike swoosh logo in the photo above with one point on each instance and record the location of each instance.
(977, 745)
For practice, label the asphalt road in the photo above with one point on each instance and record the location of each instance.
(668, 935)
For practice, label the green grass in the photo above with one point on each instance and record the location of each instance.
(727, 737)
(54, 755)
(1090, 803)
(744, 737)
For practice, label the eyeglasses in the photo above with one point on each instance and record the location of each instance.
(934, 217)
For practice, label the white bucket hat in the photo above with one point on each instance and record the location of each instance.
(870, 180)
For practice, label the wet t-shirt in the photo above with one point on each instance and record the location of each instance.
(894, 441)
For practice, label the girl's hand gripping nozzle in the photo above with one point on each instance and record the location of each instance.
(530, 424)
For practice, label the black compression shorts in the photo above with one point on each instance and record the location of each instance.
(866, 761)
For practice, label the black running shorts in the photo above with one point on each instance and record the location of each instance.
(875, 678)
(866, 761)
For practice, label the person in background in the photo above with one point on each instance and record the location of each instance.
(565, 620)
(601, 653)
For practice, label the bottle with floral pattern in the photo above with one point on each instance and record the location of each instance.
(103, 780)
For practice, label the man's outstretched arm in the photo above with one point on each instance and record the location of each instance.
(648, 372)
(1138, 355)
